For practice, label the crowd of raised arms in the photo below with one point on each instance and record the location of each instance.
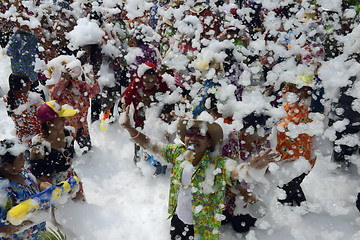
(247, 84)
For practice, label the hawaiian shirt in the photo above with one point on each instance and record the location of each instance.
(12, 194)
(208, 186)
(79, 98)
(301, 146)
(27, 124)
(235, 149)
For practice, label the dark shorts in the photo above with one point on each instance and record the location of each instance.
(180, 230)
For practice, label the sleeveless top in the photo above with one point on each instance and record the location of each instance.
(55, 160)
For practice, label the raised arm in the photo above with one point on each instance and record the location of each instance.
(140, 138)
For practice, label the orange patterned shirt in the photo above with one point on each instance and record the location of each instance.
(291, 148)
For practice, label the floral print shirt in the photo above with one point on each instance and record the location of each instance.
(79, 98)
(27, 124)
(208, 187)
(301, 146)
(13, 193)
(235, 148)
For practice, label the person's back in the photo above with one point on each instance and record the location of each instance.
(22, 104)
(22, 50)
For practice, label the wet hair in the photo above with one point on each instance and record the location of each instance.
(254, 120)
(7, 156)
(150, 71)
(165, 112)
(97, 16)
(16, 82)
(230, 60)
(44, 130)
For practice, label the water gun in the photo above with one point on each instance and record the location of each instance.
(103, 124)
(42, 200)
(150, 159)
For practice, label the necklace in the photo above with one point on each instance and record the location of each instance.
(191, 179)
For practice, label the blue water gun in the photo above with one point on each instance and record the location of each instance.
(42, 200)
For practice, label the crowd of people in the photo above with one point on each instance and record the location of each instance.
(195, 64)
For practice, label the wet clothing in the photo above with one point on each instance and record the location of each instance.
(55, 160)
(235, 148)
(14, 193)
(78, 96)
(341, 110)
(292, 148)
(179, 230)
(205, 92)
(300, 146)
(207, 201)
(22, 50)
(141, 98)
(27, 124)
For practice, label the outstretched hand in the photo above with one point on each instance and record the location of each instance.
(262, 160)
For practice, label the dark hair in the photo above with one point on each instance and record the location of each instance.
(254, 120)
(44, 130)
(150, 71)
(7, 157)
(16, 82)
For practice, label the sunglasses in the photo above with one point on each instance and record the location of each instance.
(196, 133)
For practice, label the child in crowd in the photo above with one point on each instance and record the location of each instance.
(53, 149)
(22, 103)
(17, 184)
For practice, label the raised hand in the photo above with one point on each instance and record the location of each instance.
(125, 119)
(262, 160)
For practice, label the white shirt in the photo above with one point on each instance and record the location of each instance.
(184, 206)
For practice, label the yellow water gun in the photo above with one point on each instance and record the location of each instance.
(42, 200)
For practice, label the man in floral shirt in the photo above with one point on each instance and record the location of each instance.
(197, 187)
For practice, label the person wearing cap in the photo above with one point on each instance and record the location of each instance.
(53, 149)
(16, 185)
(199, 177)
(72, 90)
(143, 39)
(141, 93)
